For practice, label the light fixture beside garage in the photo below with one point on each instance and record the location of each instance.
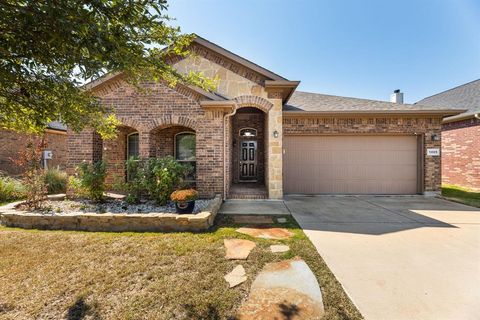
(275, 134)
(435, 137)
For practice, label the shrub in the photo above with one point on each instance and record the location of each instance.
(162, 176)
(11, 189)
(56, 181)
(92, 179)
(75, 186)
(135, 184)
(184, 195)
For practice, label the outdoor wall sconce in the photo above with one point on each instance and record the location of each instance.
(275, 134)
(435, 137)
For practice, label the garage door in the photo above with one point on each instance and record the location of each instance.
(350, 164)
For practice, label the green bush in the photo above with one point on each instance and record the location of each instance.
(11, 189)
(92, 179)
(56, 181)
(162, 176)
(155, 177)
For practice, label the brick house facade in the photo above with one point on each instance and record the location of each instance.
(238, 129)
(461, 153)
(11, 143)
(460, 135)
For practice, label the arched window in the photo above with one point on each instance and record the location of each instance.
(185, 146)
(248, 132)
(132, 145)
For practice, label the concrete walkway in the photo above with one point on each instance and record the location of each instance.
(402, 257)
(253, 207)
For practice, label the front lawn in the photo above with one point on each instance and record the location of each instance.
(77, 275)
(462, 195)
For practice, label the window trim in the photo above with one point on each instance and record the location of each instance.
(186, 161)
(247, 128)
(175, 145)
(128, 144)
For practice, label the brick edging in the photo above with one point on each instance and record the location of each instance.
(10, 217)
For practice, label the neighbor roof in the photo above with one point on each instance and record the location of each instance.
(323, 103)
(465, 96)
(57, 125)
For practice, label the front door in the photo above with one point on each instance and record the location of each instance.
(248, 161)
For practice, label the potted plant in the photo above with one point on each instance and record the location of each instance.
(184, 200)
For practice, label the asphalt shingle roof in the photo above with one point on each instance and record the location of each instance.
(311, 102)
(466, 96)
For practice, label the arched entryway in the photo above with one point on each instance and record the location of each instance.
(248, 152)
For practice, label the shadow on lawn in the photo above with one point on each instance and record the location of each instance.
(80, 309)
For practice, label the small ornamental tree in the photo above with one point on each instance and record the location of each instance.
(30, 160)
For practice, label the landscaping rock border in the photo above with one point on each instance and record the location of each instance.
(201, 221)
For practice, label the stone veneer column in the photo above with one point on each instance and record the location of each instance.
(274, 152)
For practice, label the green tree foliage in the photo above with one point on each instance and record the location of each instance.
(48, 49)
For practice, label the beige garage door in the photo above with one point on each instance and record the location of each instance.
(350, 164)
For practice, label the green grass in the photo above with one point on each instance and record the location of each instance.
(64, 274)
(462, 195)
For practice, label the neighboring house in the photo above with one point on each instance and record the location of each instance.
(256, 137)
(11, 143)
(460, 135)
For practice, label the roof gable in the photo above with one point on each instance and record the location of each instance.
(465, 96)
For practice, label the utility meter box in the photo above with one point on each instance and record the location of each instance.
(47, 154)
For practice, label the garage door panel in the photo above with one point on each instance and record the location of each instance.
(350, 164)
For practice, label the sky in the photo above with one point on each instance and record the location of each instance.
(353, 48)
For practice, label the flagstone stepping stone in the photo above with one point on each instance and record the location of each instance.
(238, 248)
(278, 248)
(253, 219)
(236, 276)
(284, 290)
(282, 220)
(267, 233)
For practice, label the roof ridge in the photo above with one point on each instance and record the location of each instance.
(451, 89)
(364, 99)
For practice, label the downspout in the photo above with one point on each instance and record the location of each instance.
(228, 115)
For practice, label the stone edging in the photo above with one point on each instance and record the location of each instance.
(11, 217)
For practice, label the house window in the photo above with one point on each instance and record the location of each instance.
(132, 145)
(185, 151)
(248, 132)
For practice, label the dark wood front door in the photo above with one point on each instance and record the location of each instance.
(248, 161)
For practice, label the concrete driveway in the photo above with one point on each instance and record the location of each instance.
(398, 257)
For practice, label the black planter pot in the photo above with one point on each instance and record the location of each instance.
(185, 207)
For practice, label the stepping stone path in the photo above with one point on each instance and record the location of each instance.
(236, 276)
(278, 248)
(284, 290)
(267, 233)
(253, 219)
(238, 248)
(282, 220)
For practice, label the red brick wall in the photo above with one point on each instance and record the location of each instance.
(159, 107)
(426, 126)
(461, 153)
(11, 143)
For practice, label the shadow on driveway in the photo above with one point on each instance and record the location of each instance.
(373, 215)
